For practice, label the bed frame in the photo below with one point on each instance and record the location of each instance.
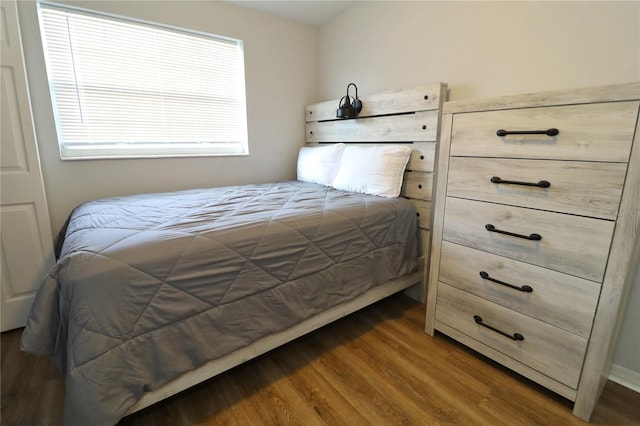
(409, 116)
(402, 116)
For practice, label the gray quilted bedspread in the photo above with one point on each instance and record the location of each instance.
(149, 287)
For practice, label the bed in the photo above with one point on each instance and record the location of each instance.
(154, 293)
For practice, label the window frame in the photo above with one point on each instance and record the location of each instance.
(156, 149)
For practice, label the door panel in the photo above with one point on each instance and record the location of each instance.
(27, 247)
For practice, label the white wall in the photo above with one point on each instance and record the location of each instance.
(480, 48)
(626, 368)
(280, 62)
(486, 49)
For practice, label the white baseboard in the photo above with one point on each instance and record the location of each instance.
(625, 377)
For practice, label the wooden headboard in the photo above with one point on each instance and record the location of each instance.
(408, 116)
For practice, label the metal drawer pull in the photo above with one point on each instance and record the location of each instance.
(548, 132)
(515, 336)
(524, 288)
(541, 184)
(533, 237)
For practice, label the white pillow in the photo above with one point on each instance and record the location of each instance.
(319, 164)
(373, 169)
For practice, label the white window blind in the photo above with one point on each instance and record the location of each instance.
(125, 88)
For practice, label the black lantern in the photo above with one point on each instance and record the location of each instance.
(349, 107)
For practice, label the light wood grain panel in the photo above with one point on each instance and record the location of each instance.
(422, 156)
(547, 349)
(417, 185)
(423, 209)
(420, 126)
(606, 93)
(582, 188)
(425, 243)
(616, 286)
(440, 191)
(387, 102)
(573, 245)
(560, 300)
(592, 132)
(506, 360)
(418, 291)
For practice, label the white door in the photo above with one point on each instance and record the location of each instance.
(25, 230)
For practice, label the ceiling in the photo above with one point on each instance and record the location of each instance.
(310, 12)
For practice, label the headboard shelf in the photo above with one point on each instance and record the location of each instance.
(367, 117)
(421, 126)
(423, 98)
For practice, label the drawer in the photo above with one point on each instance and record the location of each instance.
(417, 185)
(547, 349)
(423, 209)
(590, 132)
(561, 300)
(423, 156)
(573, 245)
(582, 188)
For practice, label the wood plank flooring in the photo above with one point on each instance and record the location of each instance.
(375, 367)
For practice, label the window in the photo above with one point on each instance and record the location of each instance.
(124, 88)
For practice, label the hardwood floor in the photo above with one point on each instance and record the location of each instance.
(375, 367)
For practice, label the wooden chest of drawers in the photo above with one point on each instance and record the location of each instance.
(536, 232)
